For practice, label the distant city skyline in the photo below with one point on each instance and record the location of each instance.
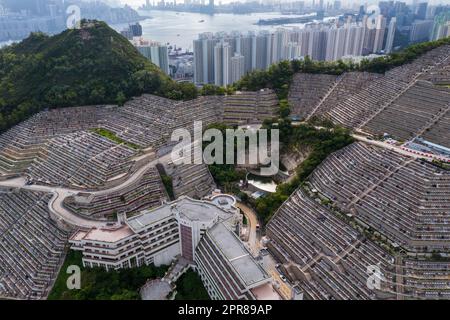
(137, 3)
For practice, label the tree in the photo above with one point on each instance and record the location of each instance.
(190, 287)
(126, 295)
(284, 108)
(97, 283)
(120, 99)
(212, 90)
(146, 81)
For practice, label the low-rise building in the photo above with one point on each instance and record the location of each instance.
(204, 232)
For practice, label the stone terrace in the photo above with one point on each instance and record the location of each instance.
(22, 143)
(208, 109)
(439, 76)
(414, 112)
(82, 159)
(193, 180)
(147, 192)
(406, 200)
(246, 107)
(329, 260)
(326, 256)
(307, 90)
(362, 106)
(439, 132)
(346, 85)
(145, 121)
(426, 279)
(31, 245)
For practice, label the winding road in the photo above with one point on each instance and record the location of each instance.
(56, 206)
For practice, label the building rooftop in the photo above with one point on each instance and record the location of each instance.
(266, 292)
(238, 256)
(195, 210)
(103, 234)
(139, 222)
(224, 201)
(79, 235)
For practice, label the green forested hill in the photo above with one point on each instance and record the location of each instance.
(84, 66)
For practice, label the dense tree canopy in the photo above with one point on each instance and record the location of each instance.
(224, 174)
(190, 287)
(98, 284)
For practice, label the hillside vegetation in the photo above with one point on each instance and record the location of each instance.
(90, 65)
(99, 284)
(190, 287)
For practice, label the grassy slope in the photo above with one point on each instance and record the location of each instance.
(113, 137)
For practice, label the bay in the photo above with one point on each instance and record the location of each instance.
(181, 28)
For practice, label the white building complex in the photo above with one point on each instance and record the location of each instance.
(421, 30)
(237, 67)
(222, 64)
(441, 26)
(391, 35)
(204, 232)
(213, 53)
(153, 51)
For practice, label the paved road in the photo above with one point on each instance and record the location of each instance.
(386, 145)
(55, 204)
(254, 244)
(284, 289)
(135, 176)
(253, 239)
(61, 193)
(383, 144)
